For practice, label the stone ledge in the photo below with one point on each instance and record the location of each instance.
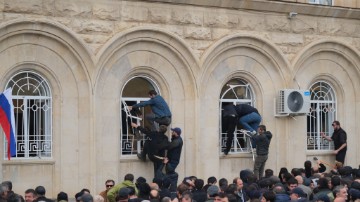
(271, 6)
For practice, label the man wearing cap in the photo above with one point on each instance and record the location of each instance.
(297, 194)
(159, 107)
(173, 157)
(212, 191)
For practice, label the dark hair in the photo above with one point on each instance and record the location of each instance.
(107, 181)
(62, 196)
(162, 128)
(131, 191)
(199, 183)
(223, 182)
(335, 181)
(28, 191)
(292, 181)
(283, 170)
(152, 92)
(262, 127)
(295, 172)
(8, 184)
(129, 177)
(269, 196)
(211, 180)
(40, 190)
(323, 183)
(269, 173)
(336, 123)
(231, 189)
(85, 190)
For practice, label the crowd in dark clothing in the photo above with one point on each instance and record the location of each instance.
(310, 183)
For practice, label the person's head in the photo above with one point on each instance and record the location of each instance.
(212, 180)
(8, 184)
(132, 191)
(40, 191)
(30, 195)
(199, 183)
(175, 132)
(152, 93)
(307, 164)
(62, 196)
(221, 197)
(323, 183)
(186, 197)
(239, 183)
(85, 191)
(129, 177)
(261, 129)
(268, 196)
(223, 182)
(279, 189)
(86, 197)
(299, 179)
(335, 181)
(292, 184)
(322, 198)
(336, 125)
(109, 184)
(154, 194)
(295, 172)
(269, 173)
(340, 192)
(123, 194)
(212, 191)
(163, 128)
(297, 193)
(282, 171)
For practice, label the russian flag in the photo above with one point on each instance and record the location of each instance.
(7, 121)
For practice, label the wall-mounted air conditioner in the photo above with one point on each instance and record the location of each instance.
(294, 102)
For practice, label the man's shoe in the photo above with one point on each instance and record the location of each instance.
(141, 157)
(226, 152)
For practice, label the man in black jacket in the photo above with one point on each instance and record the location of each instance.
(262, 150)
(339, 137)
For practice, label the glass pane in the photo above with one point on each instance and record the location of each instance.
(137, 87)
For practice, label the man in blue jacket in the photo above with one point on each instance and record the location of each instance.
(161, 112)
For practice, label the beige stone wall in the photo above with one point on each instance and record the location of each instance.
(89, 49)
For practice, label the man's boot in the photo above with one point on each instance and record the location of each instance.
(141, 156)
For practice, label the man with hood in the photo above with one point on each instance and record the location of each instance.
(128, 182)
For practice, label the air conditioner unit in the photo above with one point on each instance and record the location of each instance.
(295, 102)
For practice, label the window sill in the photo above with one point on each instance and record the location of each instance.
(236, 155)
(319, 152)
(28, 162)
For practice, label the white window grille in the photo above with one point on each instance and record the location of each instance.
(135, 91)
(322, 2)
(32, 101)
(321, 116)
(236, 91)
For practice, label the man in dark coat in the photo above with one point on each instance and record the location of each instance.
(339, 137)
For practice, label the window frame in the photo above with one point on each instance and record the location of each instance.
(43, 119)
(237, 147)
(319, 113)
(139, 144)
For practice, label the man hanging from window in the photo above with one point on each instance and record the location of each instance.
(339, 138)
(155, 145)
(161, 112)
(249, 118)
(229, 121)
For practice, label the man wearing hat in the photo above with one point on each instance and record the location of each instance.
(297, 194)
(173, 157)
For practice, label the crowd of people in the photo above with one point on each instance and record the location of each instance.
(310, 183)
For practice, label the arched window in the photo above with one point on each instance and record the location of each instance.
(32, 101)
(135, 91)
(321, 116)
(236, 91)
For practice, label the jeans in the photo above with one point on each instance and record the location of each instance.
(259, 165)
(161, 121)
(251, 123)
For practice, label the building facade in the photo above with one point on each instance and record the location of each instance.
(74, 65)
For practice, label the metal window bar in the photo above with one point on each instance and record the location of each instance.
(33, 115)
(321, 116)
